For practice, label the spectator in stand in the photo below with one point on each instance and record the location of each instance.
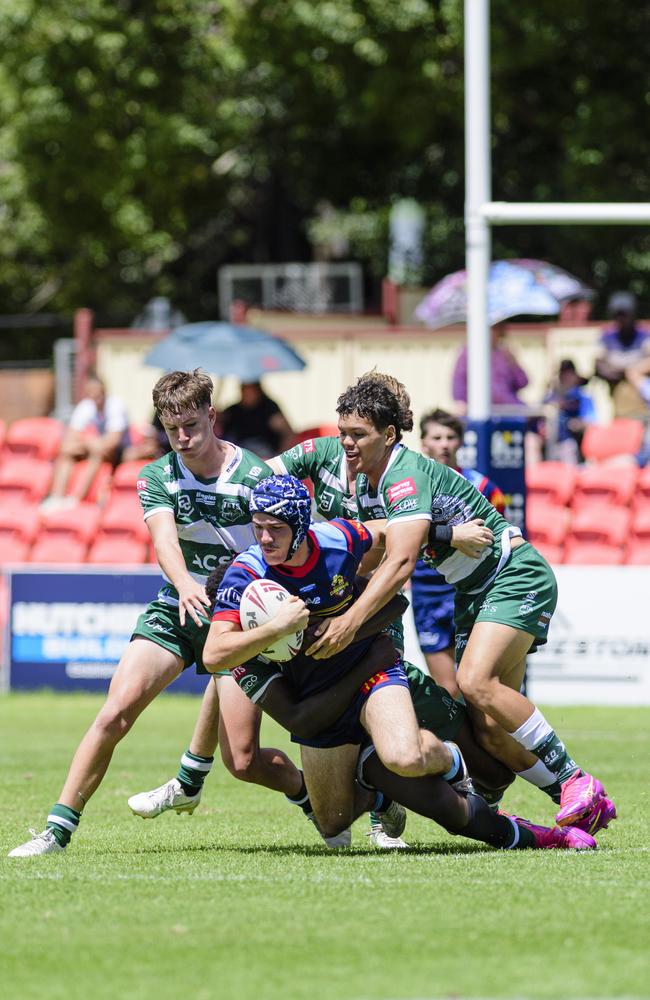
(622, 346)
(257, 423)
(98, 431)
(508, 377)
(151, 442)
(571, 410)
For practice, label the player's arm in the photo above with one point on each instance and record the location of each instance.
(308, 717)
(404, 539)
(192, 598)
(227, 645)
(469, 538)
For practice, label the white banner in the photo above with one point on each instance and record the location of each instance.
(598, 650)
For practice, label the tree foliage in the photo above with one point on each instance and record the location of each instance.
(145, 144)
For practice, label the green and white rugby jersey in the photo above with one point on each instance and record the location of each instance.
(212, 515)
(414, 487)
(323, 461)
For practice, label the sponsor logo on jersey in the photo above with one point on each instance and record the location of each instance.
(544, 619)
(230, 510)
(308, 446)
(488, 607)
(141, 484)
(404, 488)
(339, 585)
(206, 498)
(238, 672)
(410, 503)
(255, 470)
(249, 683)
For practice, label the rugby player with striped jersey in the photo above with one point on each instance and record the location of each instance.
(196, 506)
(317, 565)
(432, 598)
(504, 598)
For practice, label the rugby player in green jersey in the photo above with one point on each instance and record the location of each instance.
(504, 598)
(195, 502)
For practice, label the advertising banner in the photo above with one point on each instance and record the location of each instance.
(598, 650)
(67, 630)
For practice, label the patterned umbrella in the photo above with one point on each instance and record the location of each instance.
(515, 288)
(224, 349)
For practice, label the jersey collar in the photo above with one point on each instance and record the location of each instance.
(307, 567)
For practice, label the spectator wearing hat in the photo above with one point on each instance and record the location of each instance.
(571, 409)
(622, 346)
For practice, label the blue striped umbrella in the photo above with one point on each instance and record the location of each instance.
(224, 349)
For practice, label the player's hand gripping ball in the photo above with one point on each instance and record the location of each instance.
(260, 602)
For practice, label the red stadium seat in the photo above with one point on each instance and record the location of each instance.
(125, 477)
(100, 485)
(78, 522)
(579, 553)
(39, 437)
(605, 483)
(551, 481)
(643, 487)
(554, 554)
(24, 480)
(641, 523)
(620, 437)
(123, 518)
(547, 524)
(13, 550)
(58, 549)
(114, 549)
(19, 522)
(610, 525)
(3, 433)
(638, 552)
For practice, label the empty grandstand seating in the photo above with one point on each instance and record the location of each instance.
(125, 478)
(324, 430)
(638, 552)
(607, 524)
(39, 437)
(546, 523)
(579, 553)
(18, 528)
(79, 522)
(111, 549)
(23, 480)
(551, 481)
(643, 487)
(553, 554)
(123, 516)
(620, 437)
(605, 483)
(641, 523)
(58, 549)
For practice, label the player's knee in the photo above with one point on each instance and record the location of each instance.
(242, 763)
(113, 723)
(477, 689)
(407, 761)
(333, 823)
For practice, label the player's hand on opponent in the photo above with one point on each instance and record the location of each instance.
(334, 635)
(472, 537)
(192, 601)
(291, 616)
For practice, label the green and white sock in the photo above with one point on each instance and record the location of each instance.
(63, 821)
(193, 771)
(540, 776)
(541, 739)
(301, 798)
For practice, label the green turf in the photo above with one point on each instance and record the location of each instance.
(241, 901)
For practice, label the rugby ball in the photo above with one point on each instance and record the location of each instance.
(259, 603)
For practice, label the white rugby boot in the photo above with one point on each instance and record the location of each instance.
(41, 843)
(379, 838)
(168, 796)
(343, 839)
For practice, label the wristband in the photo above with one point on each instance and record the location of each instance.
(440, 533)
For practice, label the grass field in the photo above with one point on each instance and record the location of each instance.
(242, 901)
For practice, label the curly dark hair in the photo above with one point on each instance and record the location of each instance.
(381, 399)
(444, 418)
